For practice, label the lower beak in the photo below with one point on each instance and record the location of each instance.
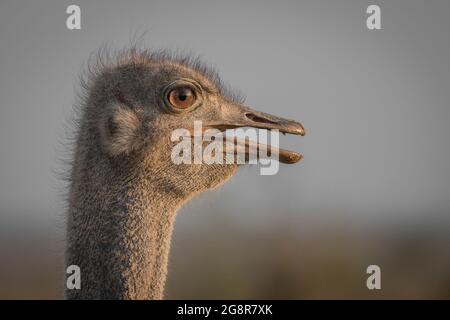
(241, 116)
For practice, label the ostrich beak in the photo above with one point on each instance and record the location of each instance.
(237, 116)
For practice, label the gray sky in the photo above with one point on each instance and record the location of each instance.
(375, 103)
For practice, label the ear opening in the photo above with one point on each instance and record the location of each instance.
(120, 130)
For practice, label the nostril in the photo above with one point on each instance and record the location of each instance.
(256, 118)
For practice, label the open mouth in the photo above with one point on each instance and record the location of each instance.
(238, 116)
(259, 120)
(247, 149)
(256, 150)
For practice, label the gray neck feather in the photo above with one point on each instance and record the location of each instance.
(119, 231)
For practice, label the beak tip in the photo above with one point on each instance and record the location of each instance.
(293, 157)
(301, 130)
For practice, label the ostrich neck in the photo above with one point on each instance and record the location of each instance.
(119, 235)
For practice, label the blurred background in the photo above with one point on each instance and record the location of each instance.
(373, 188)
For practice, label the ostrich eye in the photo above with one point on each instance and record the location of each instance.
(182, 97)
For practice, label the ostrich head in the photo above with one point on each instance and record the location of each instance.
(136, 104)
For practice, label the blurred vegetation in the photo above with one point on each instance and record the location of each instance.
(213, 256)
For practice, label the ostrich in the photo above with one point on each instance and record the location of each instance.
(124, 189)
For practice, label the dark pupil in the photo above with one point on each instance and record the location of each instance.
(183, 94)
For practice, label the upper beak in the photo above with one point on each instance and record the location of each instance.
(236, 116)
(242, 116)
